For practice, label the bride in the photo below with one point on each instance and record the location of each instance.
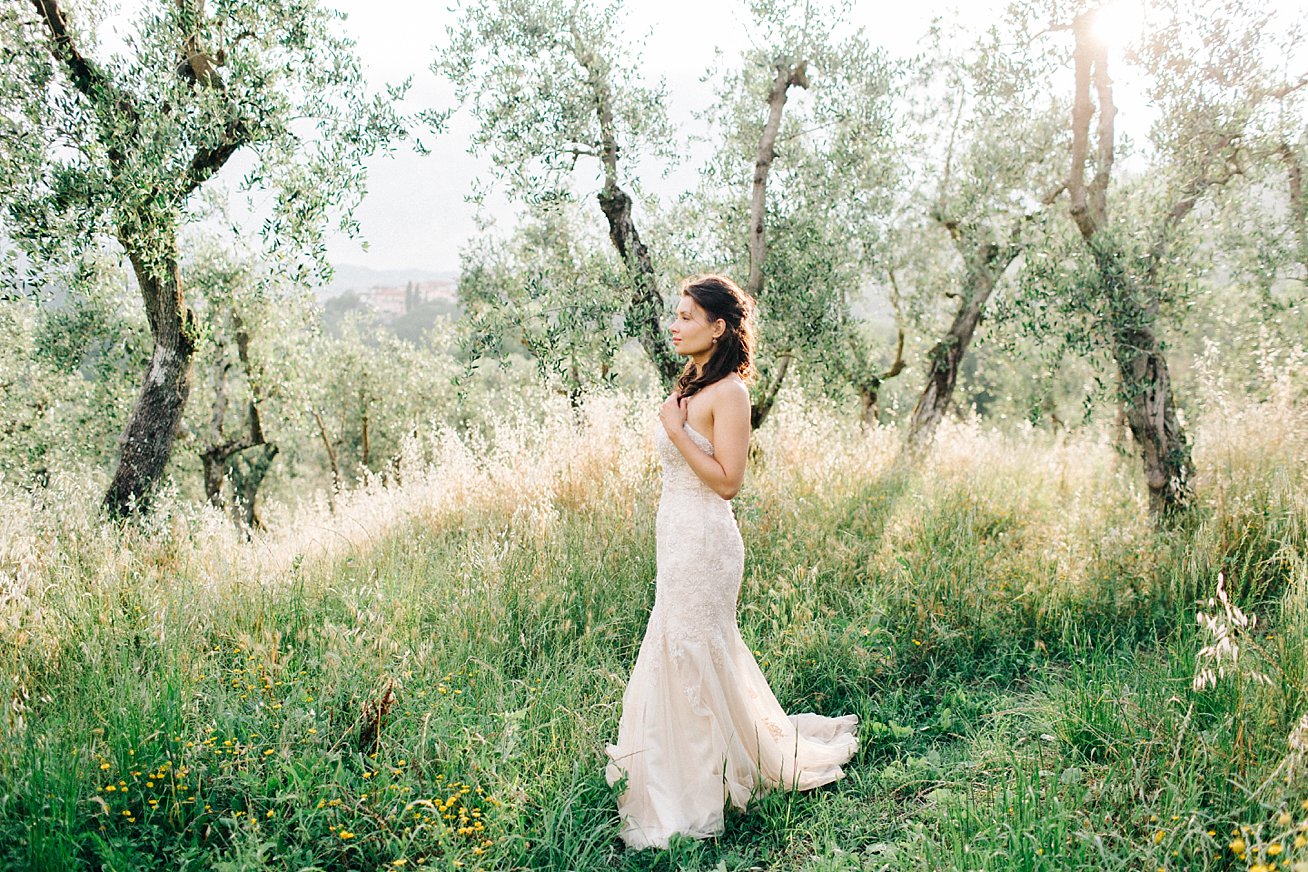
(699, 724)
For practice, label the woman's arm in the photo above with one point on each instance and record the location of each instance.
(724, 470)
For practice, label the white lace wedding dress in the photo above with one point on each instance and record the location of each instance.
(699, 724)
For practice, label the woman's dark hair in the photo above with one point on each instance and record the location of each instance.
(721, 298)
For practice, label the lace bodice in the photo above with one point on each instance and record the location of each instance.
(700, 554)
(677, 474)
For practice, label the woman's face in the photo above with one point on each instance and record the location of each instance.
(692, 331)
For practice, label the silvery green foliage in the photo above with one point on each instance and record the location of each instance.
(532, 73)
(369, 391)
(552, 290)
(115, 143)
(984, 142)
(1216, 74)
(65, 368)
(983, 138)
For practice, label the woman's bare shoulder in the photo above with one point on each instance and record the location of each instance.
(728, 391)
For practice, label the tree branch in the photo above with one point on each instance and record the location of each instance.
(1098, 191)
(208, 161)
(786, 77)
(89, 80)
(1288, 89)
(1189, 198)
(898, 365)
(599, 88)
(949, 161)
(1082, 110)
(1298, 208)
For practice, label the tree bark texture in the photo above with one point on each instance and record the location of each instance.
(147, 443)
(146, 229)
(1132, 302)
(1298, 202)
(644, 318)
(765, 396)
(869, 383)
(786, 76)
(246, 472)
(1147, 395)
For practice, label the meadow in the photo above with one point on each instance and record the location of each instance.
(425, 673)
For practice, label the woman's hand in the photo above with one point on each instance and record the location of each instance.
(673, 413)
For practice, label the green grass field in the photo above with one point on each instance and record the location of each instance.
(426, 677)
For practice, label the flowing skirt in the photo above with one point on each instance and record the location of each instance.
(699, 725)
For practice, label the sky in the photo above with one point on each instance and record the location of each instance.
(416, 216)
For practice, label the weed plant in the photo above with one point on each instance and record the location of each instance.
(425, 674)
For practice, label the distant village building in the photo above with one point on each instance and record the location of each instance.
(392, 302)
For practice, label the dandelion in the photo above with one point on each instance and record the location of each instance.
(1238, 845)
(345, 834)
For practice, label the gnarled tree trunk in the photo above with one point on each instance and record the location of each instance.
(1133, 301)
(982, 268)
(1298, 202)
(147, 442)
(645, 311)
(146, 228)
(236, 461)
(765, 393)
(644, 318)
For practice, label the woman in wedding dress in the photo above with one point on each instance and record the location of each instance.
(699, 723)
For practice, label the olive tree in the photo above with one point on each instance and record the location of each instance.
(552, 83)
(251, 323)
(798, 191)
(550, 290)
(1215, 77)
(64, 363)
(986, 144)
(116, 144)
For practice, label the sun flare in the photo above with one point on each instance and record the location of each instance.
(1118, 22)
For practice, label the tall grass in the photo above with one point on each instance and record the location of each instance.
(428, 673)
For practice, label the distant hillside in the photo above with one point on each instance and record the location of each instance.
(359, 278)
